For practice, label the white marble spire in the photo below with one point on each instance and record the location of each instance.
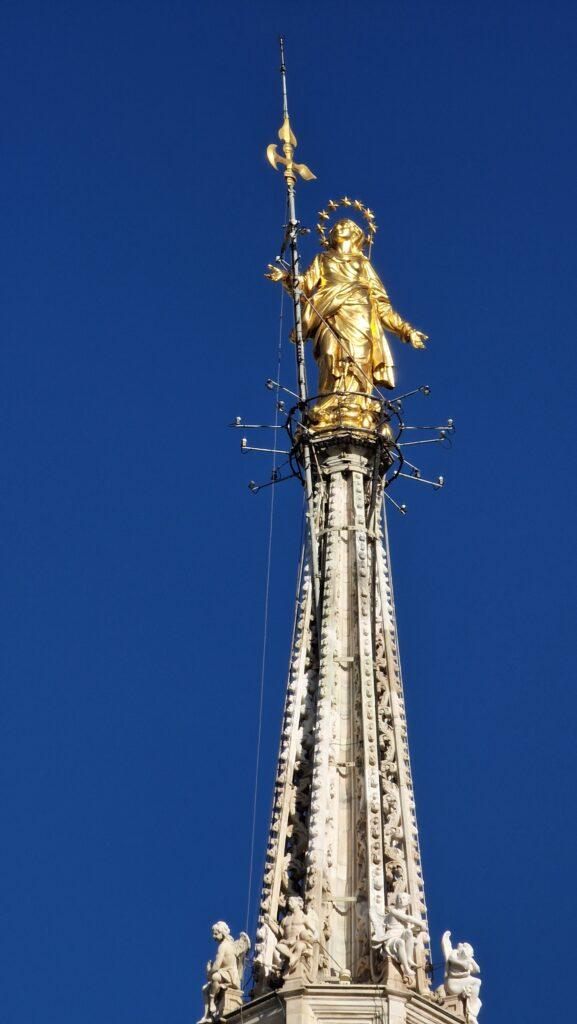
(342, 933)
(343, 834)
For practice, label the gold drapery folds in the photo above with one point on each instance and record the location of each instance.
(345, 312)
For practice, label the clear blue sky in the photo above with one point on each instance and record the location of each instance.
(138, 217)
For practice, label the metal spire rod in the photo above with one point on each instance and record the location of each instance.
(285, 112)
(291, 170)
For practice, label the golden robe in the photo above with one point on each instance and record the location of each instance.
(345, 318)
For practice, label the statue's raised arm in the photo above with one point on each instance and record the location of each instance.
(446, 945)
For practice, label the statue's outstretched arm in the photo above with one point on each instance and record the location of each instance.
(402, 328)
(391, 320)
(405, 918)
(308, 281)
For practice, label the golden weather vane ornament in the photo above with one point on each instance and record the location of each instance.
(339, 303)
(287, 137)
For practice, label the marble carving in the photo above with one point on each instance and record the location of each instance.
(223, 990)
(296, 934)
(343, 919)
(396, 933)
(462, 975)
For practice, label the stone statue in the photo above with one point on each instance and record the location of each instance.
(223, 990)
(396, 932)
(345, 311)
(296, 935)
(460, 971)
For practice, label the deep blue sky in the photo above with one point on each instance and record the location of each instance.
(138, 217)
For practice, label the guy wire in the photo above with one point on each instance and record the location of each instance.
(265, 616)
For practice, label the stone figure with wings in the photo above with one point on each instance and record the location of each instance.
(223, 990)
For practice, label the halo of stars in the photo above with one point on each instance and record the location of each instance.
(325, 215)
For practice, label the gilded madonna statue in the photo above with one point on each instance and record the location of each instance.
(345, 312)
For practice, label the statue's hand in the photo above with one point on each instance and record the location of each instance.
(417, 339)
(275, 273)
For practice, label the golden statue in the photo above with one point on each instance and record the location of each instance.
(345, 311)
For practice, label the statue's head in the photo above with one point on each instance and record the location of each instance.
(465, 950)
(220, 931)
(347, 231)
(400, 900)
(295, 903)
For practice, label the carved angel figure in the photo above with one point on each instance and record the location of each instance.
(396, 932)
(460, 968)
(345, 311)
(224, 973)
(296, 935)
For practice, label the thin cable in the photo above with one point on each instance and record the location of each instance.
(265, 630)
